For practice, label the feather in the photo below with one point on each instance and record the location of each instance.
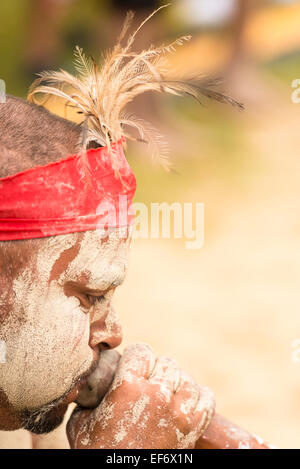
(101, 92)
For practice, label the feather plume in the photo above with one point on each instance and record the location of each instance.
(101, 92)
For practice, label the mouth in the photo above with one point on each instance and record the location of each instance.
(74, 392)
(99, 382)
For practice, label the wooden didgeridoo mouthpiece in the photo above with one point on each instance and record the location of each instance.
(220, 433)
(100, 380)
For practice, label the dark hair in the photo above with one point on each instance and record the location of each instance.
(30, 136)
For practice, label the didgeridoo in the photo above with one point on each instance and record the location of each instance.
(220, 434)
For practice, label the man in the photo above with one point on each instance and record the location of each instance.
(56, 315)
(64, 243)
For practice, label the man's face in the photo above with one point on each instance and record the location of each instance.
(55, 317)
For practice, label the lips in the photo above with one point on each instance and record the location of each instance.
(80, 383)
(75, 391)
(100, 380)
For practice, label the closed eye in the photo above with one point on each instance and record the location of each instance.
(95, 299)
(87, 298)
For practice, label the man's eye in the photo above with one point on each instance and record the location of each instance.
(95, 299)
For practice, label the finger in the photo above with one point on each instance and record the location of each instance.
(137, 361)
(187, 394)
(197, 404)
(194, 398)
(205, 407)
(166, 374)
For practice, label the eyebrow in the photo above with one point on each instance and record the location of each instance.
(85, 288)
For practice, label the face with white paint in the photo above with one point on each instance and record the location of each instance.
(55, 318)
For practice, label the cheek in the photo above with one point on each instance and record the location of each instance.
(48, 353)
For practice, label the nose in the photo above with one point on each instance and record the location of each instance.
(106, 331)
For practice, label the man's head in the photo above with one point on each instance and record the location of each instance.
(55, 292)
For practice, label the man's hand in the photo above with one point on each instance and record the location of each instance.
(151, 404)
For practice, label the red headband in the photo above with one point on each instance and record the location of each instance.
(55, 199)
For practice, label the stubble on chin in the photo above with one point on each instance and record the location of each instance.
(46, 418)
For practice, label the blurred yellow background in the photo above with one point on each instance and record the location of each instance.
(230, 311)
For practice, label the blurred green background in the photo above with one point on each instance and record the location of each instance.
(230, 311)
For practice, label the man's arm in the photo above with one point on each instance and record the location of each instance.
(151, 403)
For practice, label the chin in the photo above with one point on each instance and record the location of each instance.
(47, 418)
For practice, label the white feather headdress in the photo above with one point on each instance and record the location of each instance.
(100, 92)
